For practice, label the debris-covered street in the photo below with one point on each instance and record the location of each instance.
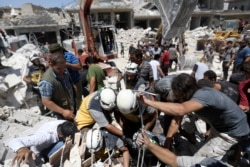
(107, 82)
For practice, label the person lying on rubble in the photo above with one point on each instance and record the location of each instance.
(228, 122)
(97, 108)
(43, 143)
(57, 89)
(34, 72)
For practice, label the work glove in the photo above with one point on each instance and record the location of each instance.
(127, 141)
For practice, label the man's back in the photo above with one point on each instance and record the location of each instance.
(173, 53)
(200, 68)
(223, 113)
(97, 72)
(70, 58)
(154, 64)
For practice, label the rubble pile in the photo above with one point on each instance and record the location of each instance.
(131, 36)
(13, 90)
(20, 114)
(192, 36)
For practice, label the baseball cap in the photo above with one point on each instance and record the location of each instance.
(54, 47)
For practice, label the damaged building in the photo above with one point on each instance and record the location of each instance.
(42, 25)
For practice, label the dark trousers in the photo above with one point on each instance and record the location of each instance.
(225, 69)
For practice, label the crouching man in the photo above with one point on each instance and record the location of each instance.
(228, 122)
(44, 142)
(97, 108)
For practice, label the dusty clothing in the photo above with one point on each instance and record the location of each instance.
(91, 112)
(44, 137)
(216, 147)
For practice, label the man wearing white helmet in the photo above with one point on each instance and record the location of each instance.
(35, 71)
(96, 108)
(132, 80)
(130, 113)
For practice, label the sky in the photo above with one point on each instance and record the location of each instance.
(43, 3)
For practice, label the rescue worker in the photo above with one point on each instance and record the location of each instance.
(35, 71)
(97, 108)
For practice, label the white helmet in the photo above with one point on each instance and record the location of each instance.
(34, 57)
(131, 68)
(126, 101)
(107, 98)
(94, 140)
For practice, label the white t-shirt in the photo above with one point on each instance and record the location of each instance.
(199, 70)
(154, 64)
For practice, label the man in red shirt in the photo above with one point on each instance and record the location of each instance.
(165, 62)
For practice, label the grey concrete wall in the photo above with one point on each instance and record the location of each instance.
(239, 4)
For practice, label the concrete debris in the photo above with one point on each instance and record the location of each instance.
(192, 36)
(13, 90)
(20, 114)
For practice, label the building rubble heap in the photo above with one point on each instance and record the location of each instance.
(19, 111)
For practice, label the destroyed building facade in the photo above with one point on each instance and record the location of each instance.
(55, 25)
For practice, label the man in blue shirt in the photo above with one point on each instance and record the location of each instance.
(73, 67)
(56, 88)
(243, 53)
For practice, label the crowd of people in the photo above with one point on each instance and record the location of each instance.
(72, 88)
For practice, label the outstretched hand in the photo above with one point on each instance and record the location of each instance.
(22, 156)
(143, 140)
(141, 97)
